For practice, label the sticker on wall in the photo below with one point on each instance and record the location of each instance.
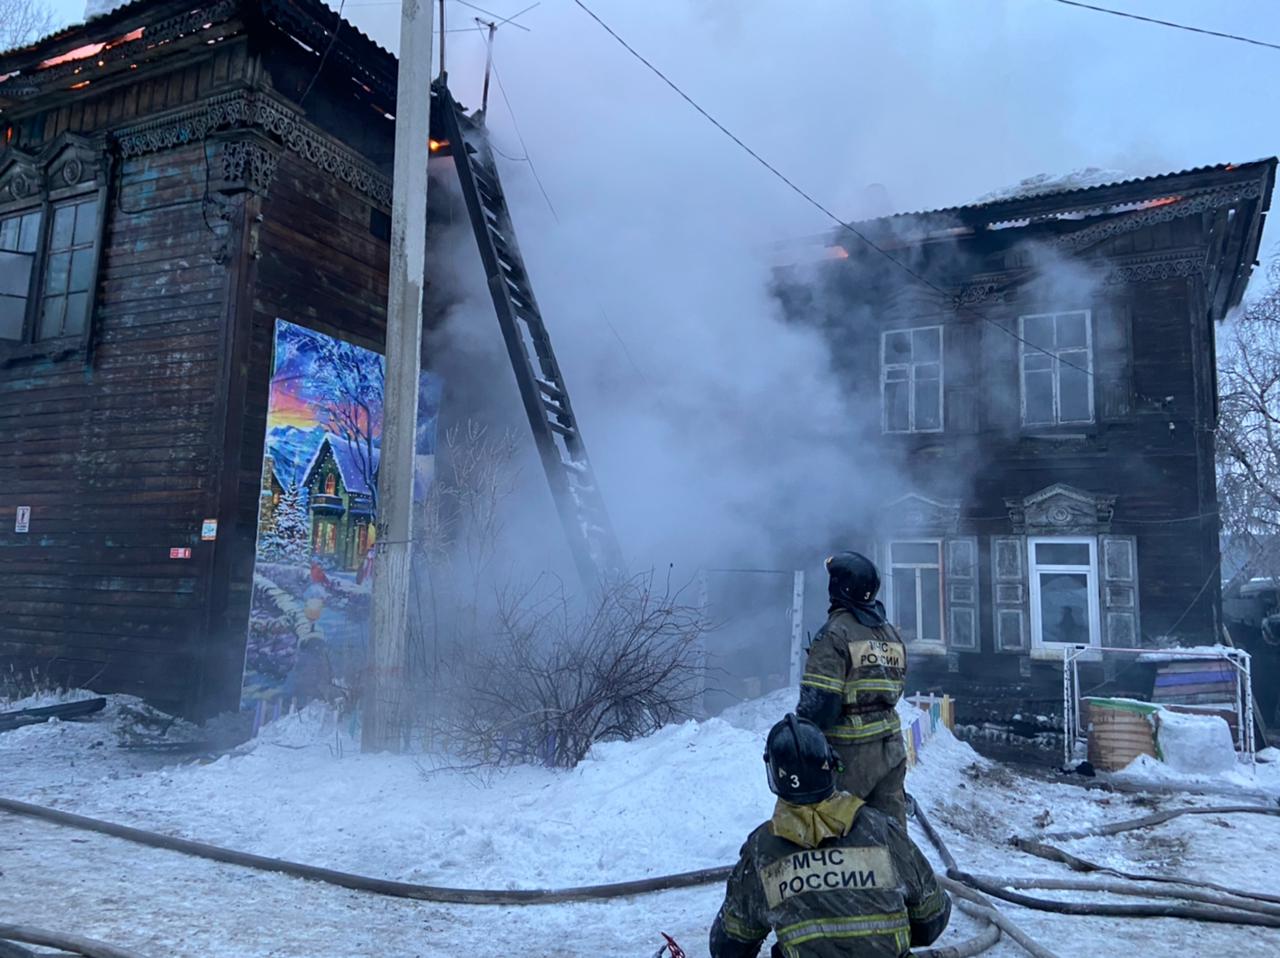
(22, 522)
(180, 552)
(209, 530)
(310, 612)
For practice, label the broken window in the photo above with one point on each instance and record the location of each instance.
(915, 589)
(1057, 368)
(911, 379)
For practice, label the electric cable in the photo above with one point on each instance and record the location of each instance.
(1169, 23)
(816, 204)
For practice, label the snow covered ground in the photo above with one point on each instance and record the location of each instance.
(681, 799)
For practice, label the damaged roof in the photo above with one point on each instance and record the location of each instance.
(149, 24)
(1236, 197)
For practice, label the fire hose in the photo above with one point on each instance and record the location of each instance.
(88, 947)
(706, 876)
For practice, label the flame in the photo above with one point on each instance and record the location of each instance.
(837, 252)
(79, 53)
(90, 50)
(1163, 201)
(437, 145)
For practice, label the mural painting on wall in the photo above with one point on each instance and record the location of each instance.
(312, 588)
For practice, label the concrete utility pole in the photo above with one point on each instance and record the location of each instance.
(385, 690)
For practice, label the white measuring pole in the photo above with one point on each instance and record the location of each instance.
(797, 627)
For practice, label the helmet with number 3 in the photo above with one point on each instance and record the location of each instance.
(802, 765)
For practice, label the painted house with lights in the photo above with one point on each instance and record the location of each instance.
(1043, 371)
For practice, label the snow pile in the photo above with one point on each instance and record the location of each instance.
(1195, 744)
(1045, 183)
(44, 699)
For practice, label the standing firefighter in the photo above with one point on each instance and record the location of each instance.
(827, 874)
(851, 685)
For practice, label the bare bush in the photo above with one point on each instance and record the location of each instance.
(1248, 434)
(552, 682)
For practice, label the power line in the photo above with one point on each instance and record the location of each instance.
(1169, 23)
(808, 198)
(333, 39)
(524, 146)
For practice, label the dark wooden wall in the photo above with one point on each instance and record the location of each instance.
(1152, 370)
(117, 459)
(320, 266)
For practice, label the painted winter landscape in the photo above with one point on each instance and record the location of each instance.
(309, 625)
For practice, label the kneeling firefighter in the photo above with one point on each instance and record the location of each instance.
(829, 875)
(852, 681)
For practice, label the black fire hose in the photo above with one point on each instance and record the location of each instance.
(88, 947)
(381, 886)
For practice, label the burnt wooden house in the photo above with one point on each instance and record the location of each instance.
(174, 176)
(1044, 373)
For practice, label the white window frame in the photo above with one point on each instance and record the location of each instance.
(890, 564)
(1033, 571)
(1025, 348)
(885, 366)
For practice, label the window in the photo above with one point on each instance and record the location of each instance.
(330, 484)
(1064, 591)
(911, 379)
(51, 206)
(1057, 368)
(326, 538)
(915, 589)
(19, 240)
(69, 269)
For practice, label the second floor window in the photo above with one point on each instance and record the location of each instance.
(47, 270)
(911, 379)
(1057, 368)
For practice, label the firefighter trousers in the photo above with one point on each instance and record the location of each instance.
(876, 772)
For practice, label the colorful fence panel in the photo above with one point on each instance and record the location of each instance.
(938, 712)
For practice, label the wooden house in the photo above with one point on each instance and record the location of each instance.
(1042, 368)
(340, 494)
(175, 176)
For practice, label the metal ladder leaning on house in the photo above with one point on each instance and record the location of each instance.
(542, 387)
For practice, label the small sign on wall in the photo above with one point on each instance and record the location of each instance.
(180, 553)
(209, 530)
(22, 522)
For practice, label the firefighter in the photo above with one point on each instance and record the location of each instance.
(827, 874)
(852, 681)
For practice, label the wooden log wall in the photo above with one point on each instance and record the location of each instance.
(117, 459)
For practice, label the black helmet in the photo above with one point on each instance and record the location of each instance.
(801, 763)
(854, 578)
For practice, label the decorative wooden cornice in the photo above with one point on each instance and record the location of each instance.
(128, 47)
(1061, 509)
(1180, 207)
(248, 109)
(1153, 267)
(69, 163)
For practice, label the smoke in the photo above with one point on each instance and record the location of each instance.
(721, 434)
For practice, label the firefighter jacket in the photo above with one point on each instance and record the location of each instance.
(853, 679)
(832, 879)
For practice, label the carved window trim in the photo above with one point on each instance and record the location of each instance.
(72, 169)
